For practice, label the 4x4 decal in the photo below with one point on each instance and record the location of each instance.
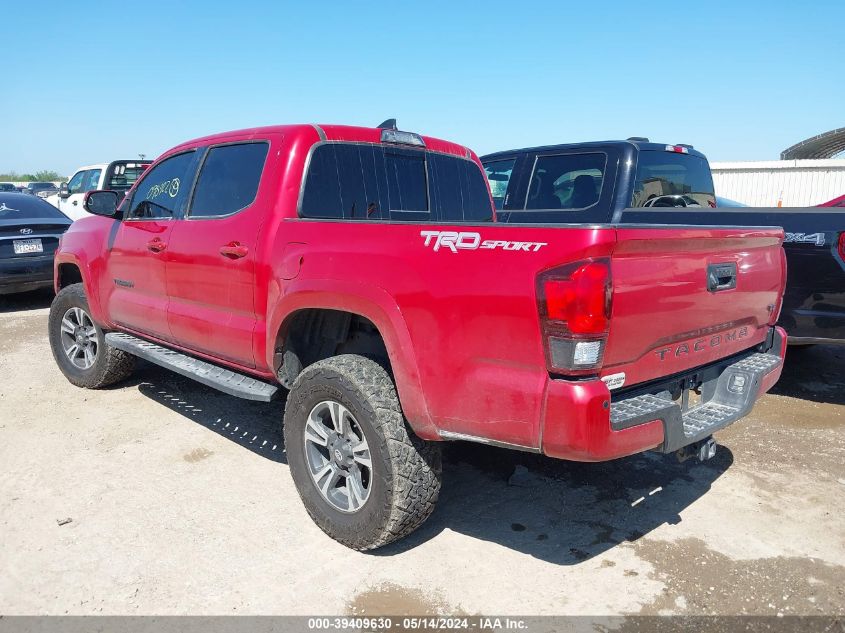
(805, 238)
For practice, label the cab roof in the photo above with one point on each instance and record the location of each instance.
(630, 144)
(317, 133)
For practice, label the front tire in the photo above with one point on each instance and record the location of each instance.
(363, 476)
(79, 344)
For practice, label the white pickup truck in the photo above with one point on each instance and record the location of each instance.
(118, 175)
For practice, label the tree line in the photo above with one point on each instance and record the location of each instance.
(45, 175)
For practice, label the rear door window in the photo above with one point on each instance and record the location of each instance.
(566, 181)
(378, 182)
(91, 180)
(228, 179)
(670, 179)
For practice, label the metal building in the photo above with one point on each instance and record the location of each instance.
(790, 183)
(807, 174)
(825, 145)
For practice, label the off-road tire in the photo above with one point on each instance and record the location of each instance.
(111, 365)
(406, 470)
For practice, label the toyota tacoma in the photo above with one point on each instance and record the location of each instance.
(362, 272)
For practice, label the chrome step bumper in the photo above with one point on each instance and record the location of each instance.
(728, 394)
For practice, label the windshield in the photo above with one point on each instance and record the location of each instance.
(669, 179)
(42, 185)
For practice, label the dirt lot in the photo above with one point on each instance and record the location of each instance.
(181, 502)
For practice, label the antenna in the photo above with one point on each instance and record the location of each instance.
(389, 124)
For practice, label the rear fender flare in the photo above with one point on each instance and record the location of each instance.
(374, 304)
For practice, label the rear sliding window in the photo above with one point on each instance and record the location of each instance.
(668, 179)
(382, 182)
(121, 176)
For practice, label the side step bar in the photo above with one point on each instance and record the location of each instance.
(222, 379)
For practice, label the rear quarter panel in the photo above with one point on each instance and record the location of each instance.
(463, 333)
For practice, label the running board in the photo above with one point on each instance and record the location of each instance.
(222, 379)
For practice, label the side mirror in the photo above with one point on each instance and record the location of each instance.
(101, 203)
(63, 190)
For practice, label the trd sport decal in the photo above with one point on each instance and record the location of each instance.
(470, 241)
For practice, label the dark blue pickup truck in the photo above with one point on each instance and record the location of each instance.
(636, 181)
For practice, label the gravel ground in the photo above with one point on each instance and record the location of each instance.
(180, 502)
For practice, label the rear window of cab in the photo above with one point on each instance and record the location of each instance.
(362, 181)
(667, 179)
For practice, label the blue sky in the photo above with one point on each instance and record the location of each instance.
(739, 80)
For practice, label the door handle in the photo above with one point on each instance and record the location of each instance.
(156, 245)
(721, 277)
(234, 250)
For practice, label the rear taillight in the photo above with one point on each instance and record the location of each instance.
(842, 245)
(574, 303)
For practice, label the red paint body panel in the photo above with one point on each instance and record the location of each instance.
(143, 307)
(664, 321)
(461, 328)
(576, 425)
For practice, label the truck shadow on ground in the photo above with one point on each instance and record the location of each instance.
(562, 512)
(558, 511)
(24, 301)
(813, 373)
(256, 426)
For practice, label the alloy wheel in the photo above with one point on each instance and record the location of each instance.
(79, 338)
(338, 456)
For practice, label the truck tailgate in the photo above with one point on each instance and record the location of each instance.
(687, 296)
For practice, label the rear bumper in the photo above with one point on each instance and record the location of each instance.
(25, 273)
(584, 421)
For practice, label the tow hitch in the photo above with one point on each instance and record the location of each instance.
(703, 449)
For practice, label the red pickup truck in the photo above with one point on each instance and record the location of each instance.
(362, 271)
